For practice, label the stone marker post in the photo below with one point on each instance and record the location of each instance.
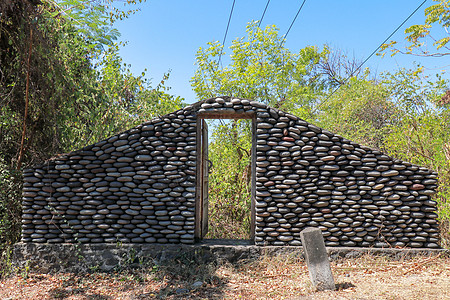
(317, 259)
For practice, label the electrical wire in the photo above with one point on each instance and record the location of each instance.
(375, 51)
(295, 18)
(226, 32)
(264, 13)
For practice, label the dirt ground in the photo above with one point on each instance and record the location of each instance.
(270, 278)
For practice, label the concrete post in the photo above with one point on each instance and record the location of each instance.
(317, 259)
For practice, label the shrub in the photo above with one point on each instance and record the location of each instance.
(10, 205)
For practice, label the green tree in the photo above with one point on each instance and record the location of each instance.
(422, 133)
(360, 111)
(230, 180)
(69, 87)
(261, 69)
(429, 39)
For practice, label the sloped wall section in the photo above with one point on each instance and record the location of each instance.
(135, 187)
(140, 186)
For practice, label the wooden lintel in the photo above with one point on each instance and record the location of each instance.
(225, 115)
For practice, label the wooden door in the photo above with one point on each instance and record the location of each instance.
(204, 165)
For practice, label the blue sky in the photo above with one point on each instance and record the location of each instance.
(166, 34)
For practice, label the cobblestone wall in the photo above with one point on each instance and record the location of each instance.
(140, 186)
(135, 187)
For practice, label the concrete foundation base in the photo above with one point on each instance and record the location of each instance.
(108, 257)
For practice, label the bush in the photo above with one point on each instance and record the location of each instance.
(230, 181)
(10, 205)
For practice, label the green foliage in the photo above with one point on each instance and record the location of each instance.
(79, 89)
(10, 208)
(418, 36)
(359, 111)
(230, 180)
(422, 128)
(6, 266)
(424, 140)
(422, 134)
(10, 213)
(90, 19)
(261, 69)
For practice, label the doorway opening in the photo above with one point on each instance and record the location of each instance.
(226, 178)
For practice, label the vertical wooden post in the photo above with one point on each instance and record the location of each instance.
(198, 187)
(253, 182)
(204, 175)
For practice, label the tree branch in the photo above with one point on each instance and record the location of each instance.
(24, 129)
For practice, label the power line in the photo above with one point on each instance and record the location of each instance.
(375, 51)
(292, 23)
(262, 17)
(226, 32)
(295, 18)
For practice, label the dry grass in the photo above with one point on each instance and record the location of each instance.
(281, 277)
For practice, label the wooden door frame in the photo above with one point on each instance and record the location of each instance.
(199, 180)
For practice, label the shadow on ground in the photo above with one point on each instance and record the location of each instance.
(187, 275)
(64, 293)
(344, 285)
